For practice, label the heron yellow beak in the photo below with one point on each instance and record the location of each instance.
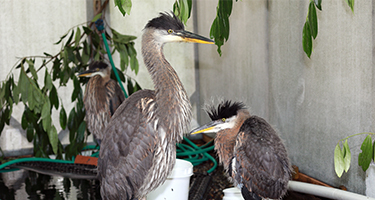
(87, 73)
(207, 128)
(195, 38)
(202, 131)
(84, 74)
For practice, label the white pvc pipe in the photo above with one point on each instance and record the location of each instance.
(326, 192)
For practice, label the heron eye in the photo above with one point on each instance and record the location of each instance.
(170, 31)
(223, 119)
(97, 69)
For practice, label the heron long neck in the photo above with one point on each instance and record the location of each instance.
(173, 105)
(226, 139)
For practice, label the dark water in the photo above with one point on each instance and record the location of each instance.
(24, 184)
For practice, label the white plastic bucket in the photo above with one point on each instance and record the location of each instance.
(232, 194)
(177, 184)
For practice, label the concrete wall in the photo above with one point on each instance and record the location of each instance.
(311, 102)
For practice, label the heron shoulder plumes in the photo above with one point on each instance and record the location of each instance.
(139, 150)
(250, 150)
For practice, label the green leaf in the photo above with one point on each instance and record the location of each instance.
(47, 80)
(32, 69)
(47, 54)
(30, 132)
(182, 9)
(72, 119)
(23, 83)
(56, 69)
(313, 20)
(2, 124)
(46, 115)
(364, 158)
(130, 86)
(81, 132)
(70, 52)
(226, 7)
(120, 38)
(63, 118)
(176, 8)
(124, 58)
(24, 121)
(38, 96)
(16, 94)
(134, 64)
(351, 4)
(339, 160)
(127, 5)
(347, 156)
(137, 87)
(220, 27)
(62, 37)
(318, 4)
(53, 138)
(77, 37)
(70, 38)
(53, 97)
(306, 39)
(120, 74)
(77, 89)
(94, 19)
(6, 115)
(2, 91)
(119, 4)
(7, 93)
(30, 97)
(88, 30)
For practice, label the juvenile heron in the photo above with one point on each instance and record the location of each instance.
(250, 150)
(139, 149)
(102, 97)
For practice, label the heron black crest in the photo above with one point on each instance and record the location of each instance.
(166, 21)
(225, 109)
(98, 64)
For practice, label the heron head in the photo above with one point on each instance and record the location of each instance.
(168, 28)
(224, 116)
(96, 68)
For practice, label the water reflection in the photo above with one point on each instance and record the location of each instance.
(24, 184)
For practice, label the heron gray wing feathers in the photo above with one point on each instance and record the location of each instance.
(115, 96)
(261, 162)
(132, 138)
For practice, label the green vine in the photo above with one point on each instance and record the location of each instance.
(342, 157)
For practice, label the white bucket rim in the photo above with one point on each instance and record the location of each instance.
(182, 169)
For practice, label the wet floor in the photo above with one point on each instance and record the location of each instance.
(24, 184)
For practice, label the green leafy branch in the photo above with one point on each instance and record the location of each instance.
(310, 28)
(124, 6)
(40, 98)
(220, 26)
(342, 157)
(182, 9)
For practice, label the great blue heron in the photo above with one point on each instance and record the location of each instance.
(250, 150)
(139, 149)
(102, 97)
